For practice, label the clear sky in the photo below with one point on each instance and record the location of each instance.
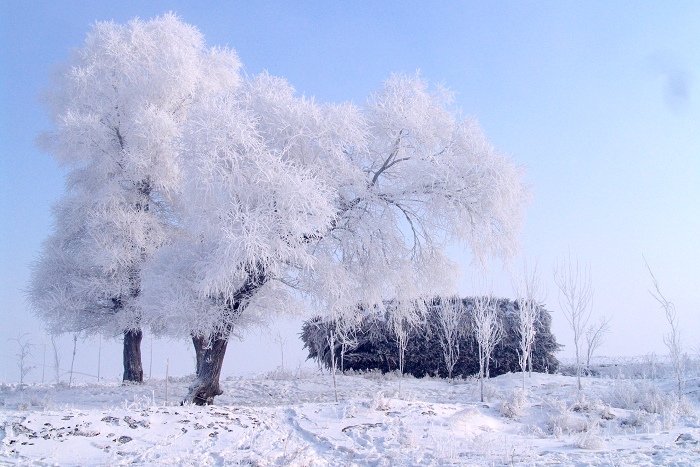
(598, 100)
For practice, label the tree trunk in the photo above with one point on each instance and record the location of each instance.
(200, 344)
(133, 370)
(481, 386)
(206, 386)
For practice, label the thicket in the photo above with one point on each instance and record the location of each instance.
(374, 346)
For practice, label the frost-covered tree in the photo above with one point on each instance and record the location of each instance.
(250, 213)
(346, 325)
(452, 325)
(575, 295)
(527, 288)
(488, 331)
(118, 107)
(402, 321)
(333, 204)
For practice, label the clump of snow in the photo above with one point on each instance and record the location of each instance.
(512, 405)
(590, 440)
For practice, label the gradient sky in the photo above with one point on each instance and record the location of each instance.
(597, 100)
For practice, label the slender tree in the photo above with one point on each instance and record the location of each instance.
(72, 360)
(43, 360)
(25, 348)
(595, 336)
(488, 330)
(672, 339)
(452, 326)
(346, 326)
(528, 291)
(334, 362)
(118, 106)
(56, 361)
(575, 294)
(99, 358)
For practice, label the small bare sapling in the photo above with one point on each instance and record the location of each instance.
(72, 361)
(672, 339)
(331, 344)
(56, 360)
(346, 326)
(575, 295)
(24, 353)
(595, 336)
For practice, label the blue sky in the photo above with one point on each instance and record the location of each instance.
(598, 101)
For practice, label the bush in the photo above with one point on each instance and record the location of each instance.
(375, 348)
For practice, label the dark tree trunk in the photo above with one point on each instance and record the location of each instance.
(206, 386)
(133, 369)
(200, 344)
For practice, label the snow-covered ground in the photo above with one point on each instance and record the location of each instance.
(622, 417)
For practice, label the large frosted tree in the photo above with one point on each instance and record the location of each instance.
(333, 205)
(118, 107)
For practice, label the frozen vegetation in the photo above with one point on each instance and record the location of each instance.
(625, 415)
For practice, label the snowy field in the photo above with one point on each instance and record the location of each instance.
(626, 415)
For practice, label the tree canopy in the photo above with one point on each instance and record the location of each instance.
(333, 203)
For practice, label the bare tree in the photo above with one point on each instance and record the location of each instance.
(403, 318)
(56, 360)
(281, 341)
(72, 361)
(43, 362)
(672, 339)
(488, 330)
(99, 358)
(575, 294)
(334, 365)
(451, 328)
(24, 353)
(167, 377)
(150, 362)
(595, 336)
(528, 291)
(401, 327)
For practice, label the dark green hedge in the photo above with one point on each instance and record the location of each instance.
(376, 347)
